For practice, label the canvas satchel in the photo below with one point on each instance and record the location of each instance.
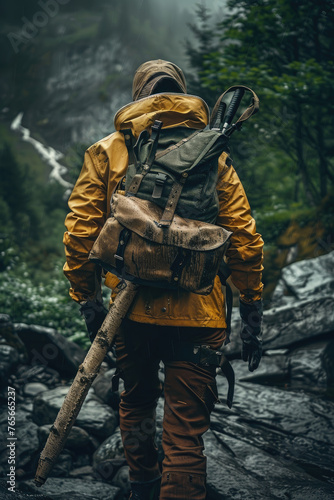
(134, 246)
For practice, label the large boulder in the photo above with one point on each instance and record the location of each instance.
(239, 471)
(47, 347)
(111, 448)
(289, 325)
(77, 440)
(95, 417)
(39, 374)
(102, 386)
(301, 310)
(298, 323)
(109, 458)
(304, 279)
(274, 443)
(309, 367)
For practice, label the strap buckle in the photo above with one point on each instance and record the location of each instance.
(118, 257)
(159, 184)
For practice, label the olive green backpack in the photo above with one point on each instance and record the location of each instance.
(162, 230)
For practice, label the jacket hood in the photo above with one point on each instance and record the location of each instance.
(150, 73)
(174, 110)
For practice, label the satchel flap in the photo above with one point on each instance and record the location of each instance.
(142, 217)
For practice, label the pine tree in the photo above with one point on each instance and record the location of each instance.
(283, 49)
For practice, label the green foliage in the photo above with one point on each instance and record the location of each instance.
(44, 303)
(283, 50)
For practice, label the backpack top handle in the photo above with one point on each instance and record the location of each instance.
(220, 107)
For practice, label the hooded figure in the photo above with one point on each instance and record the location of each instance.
(161, 322)
(154, 77)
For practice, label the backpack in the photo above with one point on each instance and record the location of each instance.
(162, 228)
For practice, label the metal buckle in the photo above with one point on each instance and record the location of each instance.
(118, 257)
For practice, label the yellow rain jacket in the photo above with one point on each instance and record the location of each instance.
(104, 165)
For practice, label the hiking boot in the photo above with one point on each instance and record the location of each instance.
(148, 490)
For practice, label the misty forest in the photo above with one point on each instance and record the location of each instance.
(66, 68)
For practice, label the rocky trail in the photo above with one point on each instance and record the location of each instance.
(277, 442)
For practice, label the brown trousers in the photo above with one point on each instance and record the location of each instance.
(190, 394)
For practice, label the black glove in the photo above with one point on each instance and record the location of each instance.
(251, 333)
(94, 313)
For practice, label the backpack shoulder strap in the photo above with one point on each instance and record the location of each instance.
(146, 165)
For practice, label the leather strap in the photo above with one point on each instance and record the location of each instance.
(251, 110)
(147, 164)
(124, 237)
(173, 198)
(180, 261)
(135, 183)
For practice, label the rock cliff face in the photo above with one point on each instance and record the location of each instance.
(277, 441)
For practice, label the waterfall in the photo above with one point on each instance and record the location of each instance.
(49, 155)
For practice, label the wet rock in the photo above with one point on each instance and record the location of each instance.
(74, 489)
(47, 405)
(282, 437)
(122, 481)
(94, 417)
(81, 460)
(312, 366)
(38, 374)
(110, 449)
(109, 458)
(285, 326)
(288, 325)
(22, 416)
(9, 357)
(97, 418)
(250, 473)
(27, 442)
(25, 445)
(27, 406)
(301, 280)
(309, 367)
(34, 388)
(328, 363)
(83, 472)
(62, 466)
(19, 494)
(8, 335)
(273, 369)
(227, 478)
(78, 438)
(47, 347)
(26, 432)
(102, 386)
